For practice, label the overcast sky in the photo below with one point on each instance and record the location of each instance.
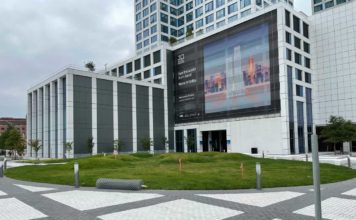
(40, 37)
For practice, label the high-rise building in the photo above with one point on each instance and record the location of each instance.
(162, 21)
(320, 5)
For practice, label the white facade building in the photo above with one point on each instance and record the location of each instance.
(251, 79)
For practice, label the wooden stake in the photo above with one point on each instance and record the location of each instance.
(180, 165)
(242, 169)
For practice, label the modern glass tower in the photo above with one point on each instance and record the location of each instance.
(162, 21)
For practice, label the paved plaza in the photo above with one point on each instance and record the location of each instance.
(24, 200)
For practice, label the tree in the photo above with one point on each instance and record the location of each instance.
(90, 66)
(14, 141)
(35, 145)
(172, 40)
(189, 32)
(338, 130)
(190, 141)
(118, 145)
(90, 144)
(146, 143)
(69, 147)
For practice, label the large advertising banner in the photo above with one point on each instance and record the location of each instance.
(231, 74)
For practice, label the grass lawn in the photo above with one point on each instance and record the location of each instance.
(200, 171)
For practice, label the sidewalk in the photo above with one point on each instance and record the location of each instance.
(25, 200)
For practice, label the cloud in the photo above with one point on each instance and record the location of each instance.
(39, 37)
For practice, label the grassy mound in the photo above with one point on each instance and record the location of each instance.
(199, 171)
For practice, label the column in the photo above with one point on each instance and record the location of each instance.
(116, 113)
(45, 122)
(200, 141)
(53, 124)
(228, 138)
(69, 113)
(40, 120)
(166, 127)
(94, 115)
(134, 120)
(185, 136)
(150, 112)
(34, 120)
(29, 124)
(60, 125)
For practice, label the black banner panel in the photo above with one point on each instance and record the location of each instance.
(233, 73)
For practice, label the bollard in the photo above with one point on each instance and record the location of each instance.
(1, 171)
(4, 164)
(258, 176)
(316, 177)
(76, 175)
(349, 161)
(263, 154)
(306, 157)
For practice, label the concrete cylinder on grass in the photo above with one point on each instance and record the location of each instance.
(104, 183)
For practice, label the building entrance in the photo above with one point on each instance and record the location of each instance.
(214, 141)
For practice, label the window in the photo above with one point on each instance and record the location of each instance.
(318, 8)
(164, 7)
(299, 90)
(297, 42)
(298, 74)
(147, 74)
(138, 26)
(189, 6)
(144, 3)
(288, 38)
(147, 60)
(199, 23)
(145, 12)
(232, 8)
(121, 71)
(164, 29)
(305, 30)
(146, 33)
(138, 16)
(129, 68)
(329, 4)
(210, 28)
(298, 58)
(158, 81)
(245, 13)
(138, 7)
(137, 64)
(138, 76)
(146, 42)
(198, 2)
(220, 3)
(340, 1)
(153, 39)
(157, 56)
(209, 7)
(139, 37)
(189, 17)
(209, 19)
(199, 12)
(317, 1)
(164, 18)
(289, 54)
(164, 38)
(153, 7)
(308, 78)
(287, 18)
(153, 18)
(307, 62)
(174, 22)
(296, 24)
(306, 47)
(139, 46)
(245, 3)
(220, 24)
(232, 18)
(157, 71)
(220, 13)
